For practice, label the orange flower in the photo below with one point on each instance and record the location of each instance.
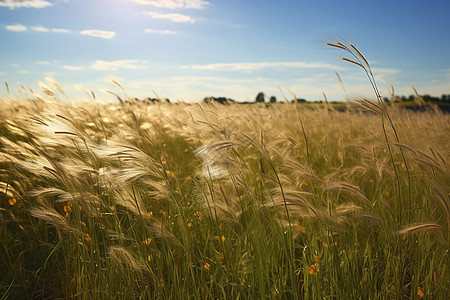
(67, 207)
(150, 214)
(206, 266)
(316, 257)
(112, 207)
(223, 238)
(189, 222)
(147, 241)
(420, 292)
(12, 201)
(312, 270)
(302, 229)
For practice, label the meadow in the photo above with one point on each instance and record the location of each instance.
(128, 200)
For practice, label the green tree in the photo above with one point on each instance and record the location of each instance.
(261, 97)
(273, 99)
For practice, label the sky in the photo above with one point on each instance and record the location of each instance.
(186, 50)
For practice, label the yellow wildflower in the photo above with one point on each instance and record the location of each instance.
(147, 241)
(149, 258)
(12, 201)
(189, 222)
(312, 270)
(112, 207)
(150, 214)
(207, 266)
(223, 238)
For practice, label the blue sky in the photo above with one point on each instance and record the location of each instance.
(189, 49)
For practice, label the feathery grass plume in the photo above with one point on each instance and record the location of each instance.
(418, 99)
(361, 61)
(125, 259)
(432, 228)
(48, 214)
(217, 162)
(348, 188)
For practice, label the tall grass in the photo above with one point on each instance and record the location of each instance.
(129, 200)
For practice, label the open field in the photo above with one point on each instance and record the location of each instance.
(176, 201)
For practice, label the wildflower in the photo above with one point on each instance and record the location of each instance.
(197, 214)
(420, 292)
(149, 258)
(172, 174)
(312, 270)
(12, 201)
(189, 222)
(302, 229)
(316, 257)
(147, 241)
(206, 266)
(150, 214)
(112, 207)
(223, 238)
(305, 184)
(67, 207)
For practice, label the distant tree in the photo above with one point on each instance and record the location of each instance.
(273, 99)
(261, 97)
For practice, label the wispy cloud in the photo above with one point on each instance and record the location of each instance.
(117, 64)
(25, 3)
(179, 18)
(99, 33)
(39, 28)
(160, 31)
(247, 67)
(60, 30)
(2, 73)
(17, 27)
(24, 71)
(73, 68)
(20, 27)
(386, 75)
(43, 62)
(198, 4)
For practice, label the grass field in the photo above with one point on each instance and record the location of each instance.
(128, 200)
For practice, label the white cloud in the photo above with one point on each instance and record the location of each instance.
(160, 31)
(24, 71)
(99, 33)
(24, 3)
(385, 75)
(247, 67)
(60, 30)
(198, 4)
(43, 62)
(2, 73)
(179, 18)
(17, 27)
(117, 64)
(39, 28)
(73, 68)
